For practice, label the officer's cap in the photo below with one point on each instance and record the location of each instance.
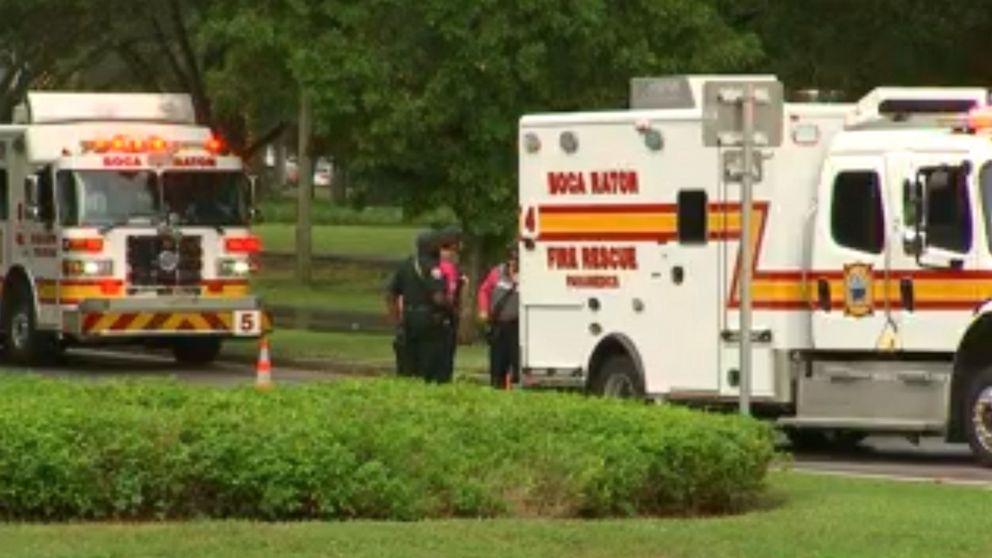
(427, 241)
(449, 235)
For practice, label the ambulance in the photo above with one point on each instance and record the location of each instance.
(122, 221)
(872, 261)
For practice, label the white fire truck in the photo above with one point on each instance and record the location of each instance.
(872, 267)
(122, 220)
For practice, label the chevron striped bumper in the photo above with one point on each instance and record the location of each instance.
(155, 317)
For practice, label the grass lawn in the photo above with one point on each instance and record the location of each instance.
(814, 517)
(394, 242)
(323, 212)
(343, 287)
(353, 348)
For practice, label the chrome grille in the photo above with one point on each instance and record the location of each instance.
(164, 261)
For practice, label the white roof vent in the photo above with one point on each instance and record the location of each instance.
(52, 108)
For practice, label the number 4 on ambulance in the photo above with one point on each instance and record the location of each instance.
(247, 322)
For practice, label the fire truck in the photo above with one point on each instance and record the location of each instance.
(872, 261)
(122, 221)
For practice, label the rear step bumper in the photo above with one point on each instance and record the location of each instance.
(172, 316)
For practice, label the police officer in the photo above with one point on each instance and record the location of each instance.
(419, 305)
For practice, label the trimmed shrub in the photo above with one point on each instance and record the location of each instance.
(379, 449)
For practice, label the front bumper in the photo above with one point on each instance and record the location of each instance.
(171, 316)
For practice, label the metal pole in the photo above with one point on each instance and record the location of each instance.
(304, 192)
(747, 183)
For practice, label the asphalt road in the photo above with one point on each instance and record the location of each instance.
(896, 457)
(103, 365)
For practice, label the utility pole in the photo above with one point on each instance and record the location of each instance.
(304, 193)
(747, 186)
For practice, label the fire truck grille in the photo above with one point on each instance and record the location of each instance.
(164, 261)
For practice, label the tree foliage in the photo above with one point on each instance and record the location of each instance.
(854, 46)
(425, 96)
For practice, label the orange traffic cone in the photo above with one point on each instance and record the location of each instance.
(263, 370)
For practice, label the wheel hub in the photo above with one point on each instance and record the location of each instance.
(20, 330)
(618, 385)
(981, 417)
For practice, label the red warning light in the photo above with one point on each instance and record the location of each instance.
(215, 145)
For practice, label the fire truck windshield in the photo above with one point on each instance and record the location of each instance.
(118, 198)
(101, 198)
(216, 199)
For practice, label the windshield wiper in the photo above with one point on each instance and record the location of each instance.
(104, 229)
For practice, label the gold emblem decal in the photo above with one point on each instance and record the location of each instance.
(857, 290)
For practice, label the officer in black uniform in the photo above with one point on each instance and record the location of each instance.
(418, 302)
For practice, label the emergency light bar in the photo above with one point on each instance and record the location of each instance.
(154, 144)
(917, 106)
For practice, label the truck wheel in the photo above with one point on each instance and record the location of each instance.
(25, 344)
(196, 351)
(978, 422)
(618, 377)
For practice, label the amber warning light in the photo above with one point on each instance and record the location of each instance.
(980, 119)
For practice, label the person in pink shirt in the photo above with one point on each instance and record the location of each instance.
(450, 239)
(499, 307)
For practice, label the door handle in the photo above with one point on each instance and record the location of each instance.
(906, 294)
(846, 375)
(916, 377)
(823, 294)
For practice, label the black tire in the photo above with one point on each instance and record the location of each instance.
(25, 345)
(196, 351)
(978, 417)
(617, 377)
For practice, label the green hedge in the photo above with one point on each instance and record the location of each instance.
(388, 449)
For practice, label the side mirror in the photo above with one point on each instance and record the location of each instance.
(914, 236)
(914, 241)
(32, 208)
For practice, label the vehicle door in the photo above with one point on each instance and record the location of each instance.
(937, 282)
(848, 279)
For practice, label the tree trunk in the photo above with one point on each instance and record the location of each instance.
(280, 163)
(339, 182)
(468, 329)
(304, 194)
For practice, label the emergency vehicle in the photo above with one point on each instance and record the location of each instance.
(122, 221)
(872, 266)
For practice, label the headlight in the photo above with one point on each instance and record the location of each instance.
(233, 268)
(87, 268)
